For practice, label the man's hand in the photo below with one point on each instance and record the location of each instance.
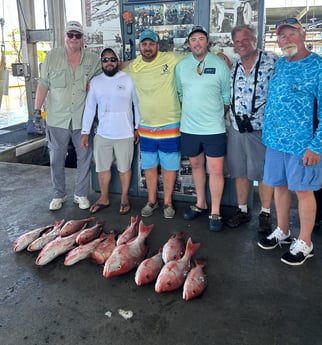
(84, 141)
(136, 137)
(37, 120)
(311, 158)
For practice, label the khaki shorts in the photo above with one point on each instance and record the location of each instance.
(109, 151)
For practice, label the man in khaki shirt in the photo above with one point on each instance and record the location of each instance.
(63, 83)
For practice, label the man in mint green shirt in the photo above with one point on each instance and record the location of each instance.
(63, 84)
(204, 91)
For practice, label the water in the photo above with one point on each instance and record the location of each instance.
(14, 108)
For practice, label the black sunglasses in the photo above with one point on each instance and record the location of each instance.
(107, 59)
(71, 35)
(290, 21)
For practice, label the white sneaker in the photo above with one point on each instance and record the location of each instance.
(57, 203)
(298, 253)
(82, 201)
(276, 238)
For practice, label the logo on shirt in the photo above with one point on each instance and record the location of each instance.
(165, 69)
(121, 87)
(209, 71)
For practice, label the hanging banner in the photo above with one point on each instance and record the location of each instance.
(102, 25)
(224, 16)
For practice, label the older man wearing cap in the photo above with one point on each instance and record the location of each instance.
(112, 93)
(203, 87)
(154, 77)
(63, 84)
(292, 134)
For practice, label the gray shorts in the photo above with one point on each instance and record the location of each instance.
(245, 154)
(108, 151)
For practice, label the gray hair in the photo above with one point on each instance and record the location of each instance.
(250, 28)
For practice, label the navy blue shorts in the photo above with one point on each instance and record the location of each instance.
(213, 145)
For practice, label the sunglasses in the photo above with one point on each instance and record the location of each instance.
(107, 59)
(290, 21)
(199, 69)
(71, 35)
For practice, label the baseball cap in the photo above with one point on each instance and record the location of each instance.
(149, 34)
(197, 29)
(292, 22)
(74, 26)
(110, 50)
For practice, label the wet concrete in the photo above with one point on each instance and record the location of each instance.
(252, 297)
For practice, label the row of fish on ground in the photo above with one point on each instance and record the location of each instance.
(170, 268)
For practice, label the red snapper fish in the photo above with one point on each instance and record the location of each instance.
(127, 256)
(45, 238)
(104, 249)
(82, 252)
(89, 234)
(173, 248)
(174, 272)
(130, 232)
(24, 240)
(75, 225)
(149, 269)
(196, 281)
(58, 246)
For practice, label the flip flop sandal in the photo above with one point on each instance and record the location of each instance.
(98, 207)
(125, 208)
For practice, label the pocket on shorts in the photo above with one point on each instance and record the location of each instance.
(312, 175)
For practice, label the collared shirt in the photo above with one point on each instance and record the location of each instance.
(289, 124)
(67, 90)
(244, 89)
(155, 86)
(204, 95)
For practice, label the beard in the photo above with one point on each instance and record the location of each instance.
(110, 72)
(290, 50)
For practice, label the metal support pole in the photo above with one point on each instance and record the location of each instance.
(26, 18)
(30, 36)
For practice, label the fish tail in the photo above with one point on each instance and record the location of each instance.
(191, 247)
(145, 230)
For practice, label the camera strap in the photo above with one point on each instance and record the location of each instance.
(255, 84)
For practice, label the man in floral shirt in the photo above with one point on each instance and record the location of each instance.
(245, 152)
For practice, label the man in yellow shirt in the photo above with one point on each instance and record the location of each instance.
(153, 73)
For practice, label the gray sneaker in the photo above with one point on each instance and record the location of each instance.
(148, 209)
(168, 211)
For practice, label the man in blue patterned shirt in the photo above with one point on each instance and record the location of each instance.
(245, 151)
(293, 136)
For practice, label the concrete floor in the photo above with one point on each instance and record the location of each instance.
(252, 297)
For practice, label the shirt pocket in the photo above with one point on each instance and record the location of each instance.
(58, 79)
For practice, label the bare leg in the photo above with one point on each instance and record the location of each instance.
(216, 182)
(169, 179)
(199, 179)
(125, 179)
(307, 210)
(283, 199)
(265, 194)
(104, 178)
(151, 176)
(242, 190)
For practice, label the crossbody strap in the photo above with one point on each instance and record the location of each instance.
(255, 84)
